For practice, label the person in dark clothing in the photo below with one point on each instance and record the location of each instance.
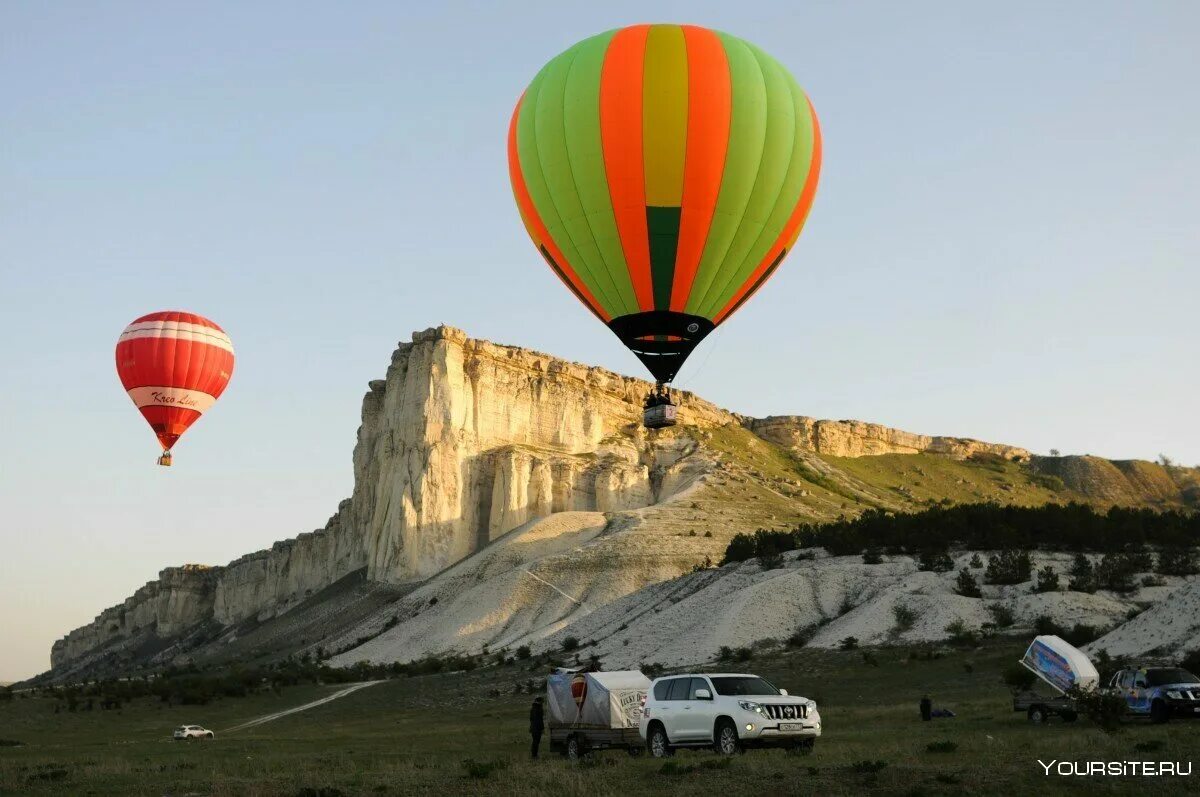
(536, 726)
(926, 708)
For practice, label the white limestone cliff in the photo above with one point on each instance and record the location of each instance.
(465, 440)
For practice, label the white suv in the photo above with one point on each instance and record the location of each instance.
(727, 711)
(184, 732)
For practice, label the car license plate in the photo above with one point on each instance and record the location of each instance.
(791, 726)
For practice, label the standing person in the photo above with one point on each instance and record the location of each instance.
(926, 708)
(536, 725)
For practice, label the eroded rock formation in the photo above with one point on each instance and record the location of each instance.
(464, 441)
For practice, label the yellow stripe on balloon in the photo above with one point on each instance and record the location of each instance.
(664, 115)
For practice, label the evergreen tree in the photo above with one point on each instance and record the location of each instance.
(966, 585)
(1083, 575)
(935, 561)
(1047, 580)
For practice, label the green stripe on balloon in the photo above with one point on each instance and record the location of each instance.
(581, 135)
(539, 192)
(549, 128)
(779, 145)
(662, 224)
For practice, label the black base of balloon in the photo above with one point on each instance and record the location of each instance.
(661, 339)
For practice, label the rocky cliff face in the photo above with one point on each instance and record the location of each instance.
(464, 441)
(180, 598)
(859, 439)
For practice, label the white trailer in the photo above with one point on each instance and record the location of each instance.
(1063, 667)
(595, 710)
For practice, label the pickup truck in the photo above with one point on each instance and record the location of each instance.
(1159, 693)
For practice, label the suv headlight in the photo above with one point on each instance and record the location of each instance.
(1174, 694)
(750, 705)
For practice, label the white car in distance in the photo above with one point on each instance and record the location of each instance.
(726, 711)
(186, 732)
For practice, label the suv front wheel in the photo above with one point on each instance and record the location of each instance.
(725, 740)
(658, 744)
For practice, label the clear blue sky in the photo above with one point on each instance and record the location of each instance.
(1004, 245)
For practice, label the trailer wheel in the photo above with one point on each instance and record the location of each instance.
(1038, 715)
(634, 750)
(575, 748)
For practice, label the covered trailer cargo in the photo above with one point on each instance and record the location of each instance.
(595, 710)
(1062, 666)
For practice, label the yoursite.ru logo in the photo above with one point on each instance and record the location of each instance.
(1117, 768)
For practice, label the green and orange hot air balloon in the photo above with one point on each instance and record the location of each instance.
(664, 172)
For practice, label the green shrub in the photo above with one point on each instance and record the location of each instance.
(771, 561)
(1078, 634)
(937, 561)
(849, 643)
(569, 644)
(802, 635)
(905, 618)
(1017, 678)
(976, 562)
(872, 556)
(1083, 575)
(966, 585)
(868, 767)
(523, 652)
(1009, 567)
(962, 636)
(1177, 561)
(1002, 616)
(1116, 572)
(1047, 580)
(1102, 708)
(941, 747)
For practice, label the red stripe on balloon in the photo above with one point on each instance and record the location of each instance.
(621, 141)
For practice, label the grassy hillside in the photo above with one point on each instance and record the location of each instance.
(466, 734)
(826, 486)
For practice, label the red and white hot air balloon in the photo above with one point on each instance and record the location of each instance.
(174, 365)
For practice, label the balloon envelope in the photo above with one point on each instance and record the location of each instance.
(174, 366)
(663, 172)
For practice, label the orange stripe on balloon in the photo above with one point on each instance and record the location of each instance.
(537, 229)
(710, 100)
(790, 231)
(621, 138)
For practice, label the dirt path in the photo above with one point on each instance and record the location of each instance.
(268, 717)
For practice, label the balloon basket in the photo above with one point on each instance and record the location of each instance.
(659, 411)
(165, 459)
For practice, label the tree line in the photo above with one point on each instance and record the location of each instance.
(982, 526)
